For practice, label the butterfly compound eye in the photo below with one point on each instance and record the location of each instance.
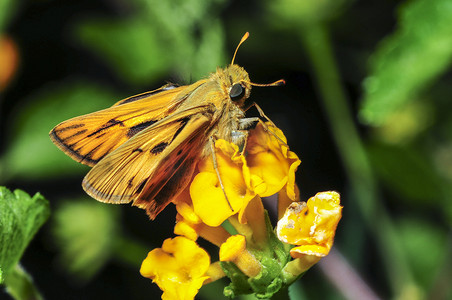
(237, 92)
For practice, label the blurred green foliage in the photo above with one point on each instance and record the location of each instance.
(290, 13)
(426, 248)
(81, 57)
(407, 172)
(129, 46)
(7, 8)
(138, 51)
(409, 60)
(85, 246)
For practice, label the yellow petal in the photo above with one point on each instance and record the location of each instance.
(269, 159)
(316, 250)
(187, 212)
(209, 200)
(291, 188)
(271, 169)
(211, 203)
(186, 229)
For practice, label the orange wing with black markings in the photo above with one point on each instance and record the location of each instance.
(155, 165)
(89, 138)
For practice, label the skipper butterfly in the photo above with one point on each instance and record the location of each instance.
(144, 149)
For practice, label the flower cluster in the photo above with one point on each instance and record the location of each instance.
(230, 214)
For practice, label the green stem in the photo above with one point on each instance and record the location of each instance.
(20, 286)
(318, 47)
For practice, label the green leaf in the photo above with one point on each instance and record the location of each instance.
(85, 246)
(407, 62)
(31, 154)
(20, 218)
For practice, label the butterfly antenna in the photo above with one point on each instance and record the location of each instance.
(276, 83)
(245, 36)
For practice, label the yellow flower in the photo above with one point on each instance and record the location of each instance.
(179, 268)
(312, 225)
(272, 165)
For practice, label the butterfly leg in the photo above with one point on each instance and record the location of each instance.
(248, 123)
(262, 114)
(240, 136)
(215, 166)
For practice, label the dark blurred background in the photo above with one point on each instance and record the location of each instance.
(366, 106)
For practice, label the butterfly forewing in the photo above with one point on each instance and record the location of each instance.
(148, 163)
(89, 138)
(149, 94)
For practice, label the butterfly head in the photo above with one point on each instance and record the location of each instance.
(237, 84)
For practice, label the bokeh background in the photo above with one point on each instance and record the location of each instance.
(367, 107)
